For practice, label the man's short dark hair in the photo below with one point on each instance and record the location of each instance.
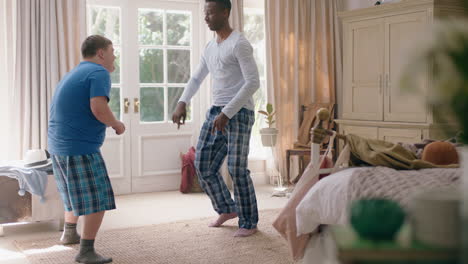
(225, 4)
(94, 43)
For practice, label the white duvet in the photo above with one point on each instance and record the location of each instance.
(325, 203)
(328, 200)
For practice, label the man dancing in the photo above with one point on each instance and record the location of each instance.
(226, 131)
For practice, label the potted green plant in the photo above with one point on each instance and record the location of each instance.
(269, 134)
(445, 57)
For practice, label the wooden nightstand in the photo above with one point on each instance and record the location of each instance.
(353, 250)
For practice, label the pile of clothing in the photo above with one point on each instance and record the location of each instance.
(31, 173)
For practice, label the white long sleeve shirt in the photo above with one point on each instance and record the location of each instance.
(234, 73)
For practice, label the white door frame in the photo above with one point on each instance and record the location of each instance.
(155, 147)
(131, 175)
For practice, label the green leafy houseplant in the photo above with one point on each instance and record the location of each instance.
(269, 114)
(270, 133)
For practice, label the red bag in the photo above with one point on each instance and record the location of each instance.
(189, 181)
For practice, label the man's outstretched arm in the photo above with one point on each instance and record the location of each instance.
(180, 113)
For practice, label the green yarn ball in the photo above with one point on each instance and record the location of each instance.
(377, 219)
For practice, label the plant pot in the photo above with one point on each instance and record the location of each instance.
(269, 136)
(435, 218)
(464, 204)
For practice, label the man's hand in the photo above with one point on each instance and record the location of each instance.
(180, 114)
(119, 127)
(220, 123)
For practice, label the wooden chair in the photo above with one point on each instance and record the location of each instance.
(302, 146)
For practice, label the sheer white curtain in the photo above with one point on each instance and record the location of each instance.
(303, 61)
(7, 45)
(48, 38)
(236, 20)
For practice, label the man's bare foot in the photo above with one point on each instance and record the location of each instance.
(222, 218)
(242, 232)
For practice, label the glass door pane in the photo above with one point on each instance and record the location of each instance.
(178, 28)
(105, 21)
(165, 61)
(151, 65)
(152, 104)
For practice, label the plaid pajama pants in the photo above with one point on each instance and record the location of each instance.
(83, 183)
(210, 155)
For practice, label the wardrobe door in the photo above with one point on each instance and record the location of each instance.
(363, 69)
(401, 34)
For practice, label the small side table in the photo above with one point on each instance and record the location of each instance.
(301, 152)
(353, 250)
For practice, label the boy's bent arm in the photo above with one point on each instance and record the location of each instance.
(102, 111)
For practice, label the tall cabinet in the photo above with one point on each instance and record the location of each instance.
(377, 43)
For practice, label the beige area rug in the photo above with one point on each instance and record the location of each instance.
(185, 242)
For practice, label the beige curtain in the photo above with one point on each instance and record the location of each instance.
(304, 61)
(236, 20)
(48, 38)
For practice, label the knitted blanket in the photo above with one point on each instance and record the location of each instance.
(329, 200)
(399, 185)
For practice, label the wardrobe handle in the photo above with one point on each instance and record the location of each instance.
(380, 83)
(386, 84)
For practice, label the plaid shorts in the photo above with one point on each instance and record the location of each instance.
(83, 183)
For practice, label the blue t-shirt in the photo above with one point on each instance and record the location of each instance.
(73, 129)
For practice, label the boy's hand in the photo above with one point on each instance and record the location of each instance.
(119, 128)
(180, 114)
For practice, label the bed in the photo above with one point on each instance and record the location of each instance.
(326, 202)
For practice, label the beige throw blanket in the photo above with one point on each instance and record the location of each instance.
(373, 152)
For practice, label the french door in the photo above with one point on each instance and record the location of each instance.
(157, 47)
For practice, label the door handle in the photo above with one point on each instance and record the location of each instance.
(136, 107)
(126, 105)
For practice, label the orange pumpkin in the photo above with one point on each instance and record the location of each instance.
(440, 153)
